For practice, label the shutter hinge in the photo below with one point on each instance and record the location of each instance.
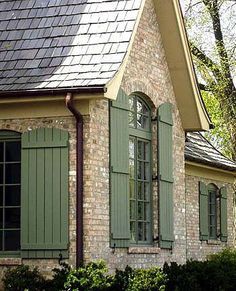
(154, 119)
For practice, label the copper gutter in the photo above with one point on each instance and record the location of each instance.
(79, 178)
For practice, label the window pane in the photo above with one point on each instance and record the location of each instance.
(139, 106)
(12, 217)
(147, 171)
(131, 103)
(13, 151)
(140, 190)
(131, 119)
(140, 211)
(131, 168)
(140, 150)
(1, 195)
(12, 174)
(146, 152)
(1, 151)
(12, 196)
(1, 174)
(1, 218)
(12, 240)
(140, 170)
(140, 231)
(131, 148)
(139, 120)
(132, 230)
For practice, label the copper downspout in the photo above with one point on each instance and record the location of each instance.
(79, 178)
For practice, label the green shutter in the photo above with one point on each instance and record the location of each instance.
(119, 164)
(203, 212)
(44, 192)
(223, 214)
(165, 177)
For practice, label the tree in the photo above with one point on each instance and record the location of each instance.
(212, 31)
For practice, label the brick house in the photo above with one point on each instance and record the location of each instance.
(96, 98)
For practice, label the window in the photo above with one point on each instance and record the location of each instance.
(212, 212)
(139, 170)
(10, 197)
(131, 172)
(34, 193)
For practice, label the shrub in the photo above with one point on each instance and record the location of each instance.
(59, 277)
(92, 277)
(218, 273)
(151, 279)
(22, 278)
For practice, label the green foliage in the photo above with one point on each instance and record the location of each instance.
(218, 273)
(122, 278)
(219, 136)
(59, 277)
(152, 279)
(92, 277)
(22, 278)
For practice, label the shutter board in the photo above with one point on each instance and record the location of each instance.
(223, 214)
(44, 223)
(119, 173)
(165, 177)
(203, 211)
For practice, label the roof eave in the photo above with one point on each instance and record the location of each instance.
(210, 164)
(53, 91)
(171, 24)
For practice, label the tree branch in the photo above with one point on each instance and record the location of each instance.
(203, 58)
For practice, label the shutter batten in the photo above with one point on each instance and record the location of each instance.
(223, 214)
(119, 165)
(165, 177)
(44, 220)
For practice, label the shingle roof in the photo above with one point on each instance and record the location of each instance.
(198, 149)
(48, 44)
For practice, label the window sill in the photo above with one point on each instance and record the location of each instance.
(143, 250)
(10, 261)
(214, 242)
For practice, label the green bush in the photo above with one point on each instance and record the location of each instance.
(151, 279)
(22, 278)
(92, 277)
(217, 273)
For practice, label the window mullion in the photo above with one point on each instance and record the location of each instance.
(3, 198)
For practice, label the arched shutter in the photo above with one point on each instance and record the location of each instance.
(44, 180)
(223, 214)
(165, 177)
(203, 212)
(119, 177)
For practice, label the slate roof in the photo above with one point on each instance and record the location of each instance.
(198, 149)
(48, 44)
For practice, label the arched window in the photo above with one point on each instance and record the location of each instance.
(10, 197)
(139, 170)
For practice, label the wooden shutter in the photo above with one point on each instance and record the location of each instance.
(119, 177)
(44, 193)
(223, 214)
(165, 177)
(203, 212)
